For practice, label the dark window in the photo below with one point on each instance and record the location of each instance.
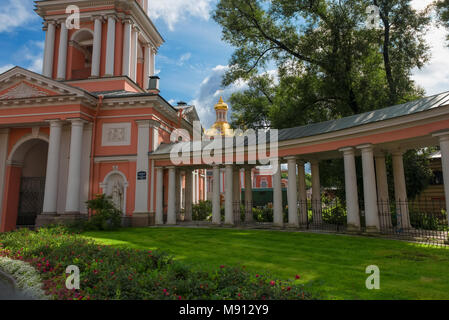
(437, 178)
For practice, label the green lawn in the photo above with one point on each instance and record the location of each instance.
(333, 264)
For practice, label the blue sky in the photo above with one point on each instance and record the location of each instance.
(193, 59)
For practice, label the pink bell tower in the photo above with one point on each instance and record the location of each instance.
(115, 40)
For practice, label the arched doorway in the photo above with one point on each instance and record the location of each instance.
(115, 186)
(81, 48)
(25, 186)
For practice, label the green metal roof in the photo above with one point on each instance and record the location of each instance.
(397, 111)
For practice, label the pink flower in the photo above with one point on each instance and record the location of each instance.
(272, 283)
(297, 277)
(257, 276)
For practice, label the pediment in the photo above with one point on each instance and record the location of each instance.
(24, 90)
(19, 83)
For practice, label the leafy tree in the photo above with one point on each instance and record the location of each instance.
(329, 65)
(442, 9)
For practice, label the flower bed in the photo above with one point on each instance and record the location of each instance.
(123, 273)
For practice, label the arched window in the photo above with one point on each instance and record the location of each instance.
(81, 46)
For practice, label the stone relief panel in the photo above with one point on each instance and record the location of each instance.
(116, 134)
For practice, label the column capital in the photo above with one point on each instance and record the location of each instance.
(347, 150)
(365, 147)
(55, 122)
(94, 18)
(397, 153)
(4, 130)
(442, 135)
(78, 122)
(111, 16)
(291, 158)
(150, 123)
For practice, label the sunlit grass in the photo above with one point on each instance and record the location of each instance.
(334, 264)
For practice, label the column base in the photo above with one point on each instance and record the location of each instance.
(372, 229)
(140, 219)
(46, 219)
(351, 228)
(278, 225)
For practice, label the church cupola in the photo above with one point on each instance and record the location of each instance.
(114, 39)
(221, 125)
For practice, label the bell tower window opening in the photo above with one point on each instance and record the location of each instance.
(81, 45)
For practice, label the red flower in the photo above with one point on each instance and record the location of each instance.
(239, 295)
(257, 276)
(179, 298)
(297, 277)
(222, 266)
(289, 288)
(272, 283)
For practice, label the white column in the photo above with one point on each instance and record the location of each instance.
(197, 187)
(292, 193)
(62, 56)
(142, 165)
(126, 68)
(400, 191)
(4, 137)
(146, 67)
(171, 210)
(152, 61)
(369, 188)
(188, 196)
(316, 192)
(74, 178)
(96, 50)
(134, 47)
(159, 196)
(248, 195)
(110, 47)
(352, 197)
(177, 194)
(49, 50)
(444, 147)
(51, 178)
(302, 194)
(237, 194)
(229, 212)
(278, 215)
(216, 213)
(382, 191)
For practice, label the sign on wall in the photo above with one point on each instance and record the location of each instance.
(141, 175)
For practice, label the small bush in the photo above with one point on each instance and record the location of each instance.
(105, 216)
(202, 211)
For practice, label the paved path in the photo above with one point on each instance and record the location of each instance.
(7, 291)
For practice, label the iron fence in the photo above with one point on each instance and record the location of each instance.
(422, 221)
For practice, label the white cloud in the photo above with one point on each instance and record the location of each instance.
(6, 68)
(33, 53)
(209, 93)
(16, 13)
(174, 11)
(434, 77)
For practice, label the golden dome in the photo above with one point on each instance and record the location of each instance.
(221, 105)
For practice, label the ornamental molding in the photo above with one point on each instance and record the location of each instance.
(23, 91)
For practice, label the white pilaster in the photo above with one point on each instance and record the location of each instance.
(159, 196)
(352, 197)
(229, 212)
(237, 193)
(188, 195)
(142, 165)
(52, 175)
(248, 195)
(152, 62)
(278, 216)
(62, 56)
(171, 209)
(216, 214)
(400, 191)
(302, 194)
(316, 192)
(369, 188)
(382, 191)
(146, 67)
(49, 50)
(126, 68)
(134, 47)
(292, 193)
(74, 178)
(96, 50)
(110, 47)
